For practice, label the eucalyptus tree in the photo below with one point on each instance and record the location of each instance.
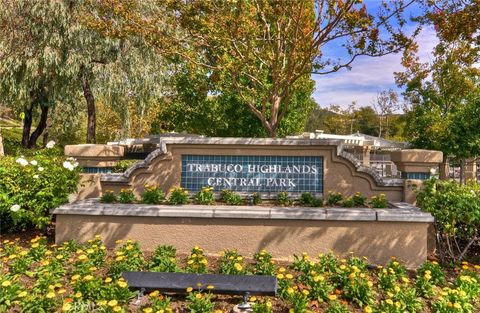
(258, 49)
(36, 70)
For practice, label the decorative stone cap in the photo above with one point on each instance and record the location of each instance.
(401, 212)
(94, 151)
(416, 160)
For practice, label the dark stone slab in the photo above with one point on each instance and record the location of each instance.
(222, 284)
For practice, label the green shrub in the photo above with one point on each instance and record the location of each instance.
(348, 202)
(31, 187)
(455, 209)
(126, 196)
(178, 195)
(123, 165)
(231, 197)
(231, 263)
(152, 195)
(306, 198)
(284, 199)
(334, 198)
(379, 202)
(256, 198)
(108, 197)
(205, 196)
(359, 200)
(164, 259)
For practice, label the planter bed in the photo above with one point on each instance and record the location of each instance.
(402, 230)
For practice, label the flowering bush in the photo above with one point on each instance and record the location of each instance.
(379, 202)
(231, 197)
(334, 198)
(283, 199)
(126, 196)
(72, 277)
(178, 195)
(205, 196)
(152, 195)
(30, 187)
(455, 208)
(108, 196)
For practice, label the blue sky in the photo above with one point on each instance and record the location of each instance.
(368, 75)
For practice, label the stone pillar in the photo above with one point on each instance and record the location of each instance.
(95, 159)
(471, 169)
(416, 165)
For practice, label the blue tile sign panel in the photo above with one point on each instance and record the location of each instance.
(253, 173)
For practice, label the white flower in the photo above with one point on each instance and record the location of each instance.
(50, 144)
(40, 169)
(33, 162)
(22, 161)
(433, 171)
(35, 176)
(69, 166)
(15, 208)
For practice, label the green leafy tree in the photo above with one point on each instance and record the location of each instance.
(257, 49)
(444, 94)
(36, 71)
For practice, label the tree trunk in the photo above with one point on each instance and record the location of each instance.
(462, 171)
(91, 114)
(42, 124)
(444, 168)
(2, 153)
(27, 124)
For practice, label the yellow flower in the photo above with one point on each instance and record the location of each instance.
(6, 283)
(305, 292)
(367, 309)
(253, 299)
(122, 284)
(50, 295)
(117, 309)
(332, 297)
(457, 305)
(147, 310)
(78, 294)
(119, 241)
(290, 290)
(61, 291)
(389, 301)
(22, 294)
(82, 257)
(269, 304)
(88, 278)
(108, 280)
(280, 276)
(66, 307)
(198, 296)
(75, 277)
(289, 276)
(238, 266)
(119, 258)
(112, 303)
(210, 287)
(35, 245)
(282, 269)
(189, 289)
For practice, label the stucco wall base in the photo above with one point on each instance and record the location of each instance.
(378, 241)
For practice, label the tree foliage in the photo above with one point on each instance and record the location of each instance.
(258, 49)
(444, 95)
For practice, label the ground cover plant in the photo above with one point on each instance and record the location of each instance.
(72, 277)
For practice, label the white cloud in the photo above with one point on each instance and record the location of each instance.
(367, 77)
